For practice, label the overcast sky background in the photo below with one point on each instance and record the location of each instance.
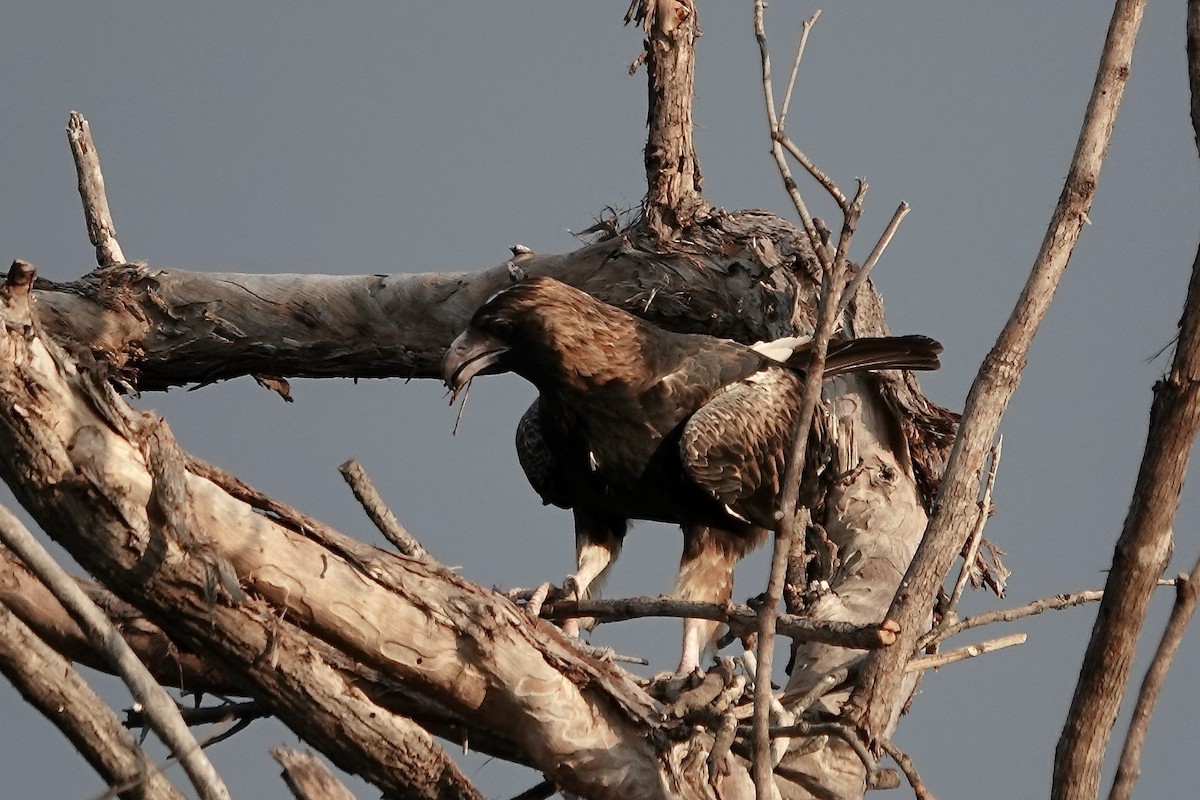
(403, 137)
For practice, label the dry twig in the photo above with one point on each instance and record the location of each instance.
(910, 771)
(366, 493)
(963, 653)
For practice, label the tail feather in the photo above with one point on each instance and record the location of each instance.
(884, 352)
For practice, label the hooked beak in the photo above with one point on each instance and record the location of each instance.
(470, 354)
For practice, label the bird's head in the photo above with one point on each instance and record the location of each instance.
(542, 329)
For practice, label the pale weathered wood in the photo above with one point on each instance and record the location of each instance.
(744, 276)
(101, 230)
(54, 687)
(308, 777)
(1187, 591)
(107, 482)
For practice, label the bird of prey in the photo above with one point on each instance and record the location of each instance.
(636, 422)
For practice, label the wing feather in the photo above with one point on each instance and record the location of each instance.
(735, 446)
(537, 460)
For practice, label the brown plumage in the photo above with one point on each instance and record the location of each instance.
(636, 422)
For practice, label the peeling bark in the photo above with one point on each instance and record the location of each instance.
(735, 276)
(97, 476)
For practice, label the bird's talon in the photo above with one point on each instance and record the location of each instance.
(533, 607)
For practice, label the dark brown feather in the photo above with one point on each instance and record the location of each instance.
(636, 422)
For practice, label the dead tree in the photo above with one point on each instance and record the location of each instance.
(369, 655)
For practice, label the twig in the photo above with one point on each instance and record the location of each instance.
(101, 230)
(792, 518)
(963, 653)
(864, 271)
(816, 172)
(985, 511)
(789, 183)
(910, 771)
(828, 681)
(843, 634)
(805, 28)
(841, 731)
(1055, 603)
(364, 490)
(160, 708)
(1186, 589)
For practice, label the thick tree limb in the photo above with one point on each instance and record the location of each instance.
(161, 328)
(1144, 546)
(1187, 589)
(79, 462)
(34, 604)
(877, 697)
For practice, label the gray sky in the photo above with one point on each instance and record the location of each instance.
(403, 137)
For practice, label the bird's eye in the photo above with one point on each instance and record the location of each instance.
(500, 326)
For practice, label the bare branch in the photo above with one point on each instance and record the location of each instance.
(1144, 546)
(963, 653)
(873, 704)
(364, 489)
(743, 618)
(54, 687)
(1056, 603)
(985, 511)
(794, 520)
(910, 771)
(800, 704)
(810, 229)
(816, 172)
(860, 277)
(805, 28)
(843, 732)
(160, 708)
(308, 777)
(101, 230)
(1187, 587)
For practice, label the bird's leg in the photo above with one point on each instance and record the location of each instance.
(706, 574)
(597, 545)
